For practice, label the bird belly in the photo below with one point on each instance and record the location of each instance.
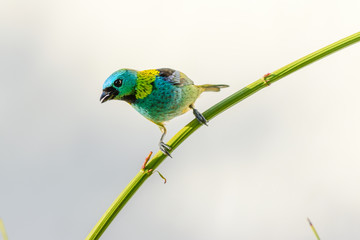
(163, 104)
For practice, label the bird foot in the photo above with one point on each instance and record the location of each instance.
(200, 117)
(165, 148)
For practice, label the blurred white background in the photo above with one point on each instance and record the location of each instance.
(258, 171)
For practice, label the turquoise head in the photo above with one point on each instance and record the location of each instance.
(120, 86)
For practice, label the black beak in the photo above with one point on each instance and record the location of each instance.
(108, 94)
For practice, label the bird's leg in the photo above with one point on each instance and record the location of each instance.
(198, 115)
(164, 147)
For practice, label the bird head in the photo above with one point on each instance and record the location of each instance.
(119, 85)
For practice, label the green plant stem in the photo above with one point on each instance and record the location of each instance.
(2, 230)
(218, 108)
(313, 229)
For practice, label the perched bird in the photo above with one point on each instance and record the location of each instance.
(157, 94)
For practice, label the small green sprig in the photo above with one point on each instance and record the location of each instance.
(313, 229)
(2, 230)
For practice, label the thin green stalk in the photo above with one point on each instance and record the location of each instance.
(2, 230)
(218, 108)
(313, 229)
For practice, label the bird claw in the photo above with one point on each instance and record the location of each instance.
(200, 117)
(165, 148)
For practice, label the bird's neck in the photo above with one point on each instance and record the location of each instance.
(129, 98)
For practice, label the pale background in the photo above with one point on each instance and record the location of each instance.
(258, 171)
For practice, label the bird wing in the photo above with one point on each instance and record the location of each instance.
(177, 78)
(146, 78)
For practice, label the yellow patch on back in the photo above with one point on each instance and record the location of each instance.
(144, 80)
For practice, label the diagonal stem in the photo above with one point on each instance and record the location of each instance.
(212, 112)
(3, 231)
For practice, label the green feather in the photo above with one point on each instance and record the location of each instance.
(144, 80)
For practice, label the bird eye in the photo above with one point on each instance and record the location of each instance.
(118, 83)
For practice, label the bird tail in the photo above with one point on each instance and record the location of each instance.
(212, 88)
